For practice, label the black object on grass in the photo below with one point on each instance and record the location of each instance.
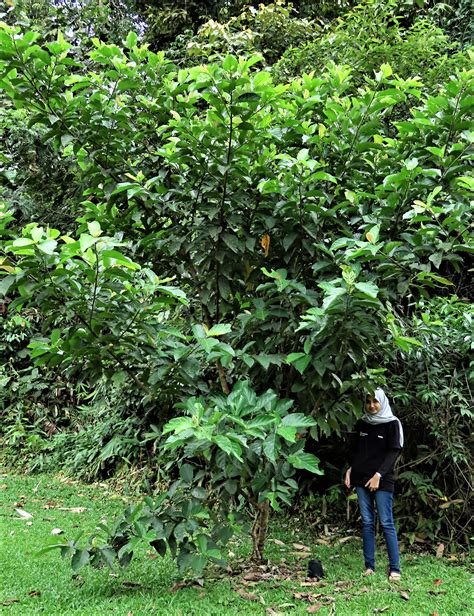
(315, 569)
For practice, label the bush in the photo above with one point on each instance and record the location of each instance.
(370, 35)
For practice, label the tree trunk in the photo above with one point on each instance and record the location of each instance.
(259, 530)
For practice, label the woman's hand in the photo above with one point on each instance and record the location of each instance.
(373, 483)
(347, 478)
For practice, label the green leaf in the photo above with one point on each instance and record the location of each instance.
(48, 247)
(201, 541)
(322, 175)
(131, 40)
(292, 357)
(406, 342)
(305, 461)
(55, 335)
(288, 433)
(66, 140)
(86, 241)
(219, 330)
(178, 424)
(299, 360)
(23, 241)
(37, 233)
(270, 447)
(114, 257)
(435, 277)
(232, 241)
(265, 360)
(187, 472)
(79, 560)
(298, 420)
(333, 294)
(230, 63)
(5, 284)
(230, 447)
(108, 555)
(199, 492)
(411, 164)
(94, 228)
(173, 292)
(436, 258)
(367, 288)
(373, 234)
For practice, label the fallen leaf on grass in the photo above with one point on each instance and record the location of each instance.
(364, 589)
(300, 554)
(73, 509)
(314, 608)
(250, 596)
(322, 541)
(10, 601)
(434, 613)
(57, 531)
(437, 592)
(314, 584)
(34, 593)
(404, 595)
(307, 596)
(438, 582)
(348, 538)
(440, 550)
(23, 514)
(68, 481)
(379, 610)
(301, 547)
(3, 486)
(177, 586)
(281, 543)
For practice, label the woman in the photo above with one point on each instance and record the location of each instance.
(378, 440)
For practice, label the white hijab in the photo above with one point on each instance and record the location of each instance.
(385, 414)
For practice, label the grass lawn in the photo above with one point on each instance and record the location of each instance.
(44, 585)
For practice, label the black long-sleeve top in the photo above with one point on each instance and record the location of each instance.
(374, 449)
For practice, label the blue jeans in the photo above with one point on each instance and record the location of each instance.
(383, 500)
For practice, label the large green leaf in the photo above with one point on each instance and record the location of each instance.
(306, 461)
(229, 446)
(178, 424)
(298, 420)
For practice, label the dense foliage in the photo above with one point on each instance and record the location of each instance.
(179, 236)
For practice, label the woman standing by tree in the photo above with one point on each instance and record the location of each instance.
(378, 440)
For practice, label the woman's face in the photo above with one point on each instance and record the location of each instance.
(372, 405)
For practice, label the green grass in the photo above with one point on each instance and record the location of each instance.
(44, 585)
